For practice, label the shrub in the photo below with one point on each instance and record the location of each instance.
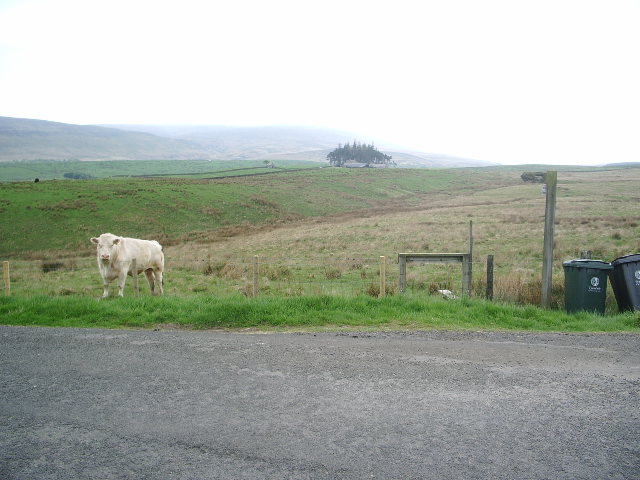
(51, 266)
(231, 271)
(373, 290)
(332, 273)
(212, 268)
(276, 272)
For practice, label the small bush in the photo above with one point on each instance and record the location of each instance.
(51, 266)
(277, 272)
(231, 271)
(333, 273)
(373, 290)
(212, 268)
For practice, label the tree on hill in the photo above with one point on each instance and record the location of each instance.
(358, 152)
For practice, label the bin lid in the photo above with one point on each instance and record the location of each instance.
(587, 263)
(634, 257)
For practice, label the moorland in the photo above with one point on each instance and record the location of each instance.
(314, 231)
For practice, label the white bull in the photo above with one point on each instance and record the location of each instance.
(116, 255)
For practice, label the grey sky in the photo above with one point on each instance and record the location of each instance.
(500, 80)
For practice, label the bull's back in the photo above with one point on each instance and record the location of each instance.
(147, 253)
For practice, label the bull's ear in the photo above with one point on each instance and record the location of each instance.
(116, 241)
(94, 240)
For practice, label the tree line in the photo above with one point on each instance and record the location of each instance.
(359, 153)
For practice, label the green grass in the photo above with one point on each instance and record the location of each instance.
(50, 170)
(300, 313)
(63, 214)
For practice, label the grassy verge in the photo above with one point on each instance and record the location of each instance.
(300, 313)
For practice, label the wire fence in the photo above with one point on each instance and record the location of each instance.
(250, 276)
(254, 276)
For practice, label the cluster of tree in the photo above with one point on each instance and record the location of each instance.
(358, 152)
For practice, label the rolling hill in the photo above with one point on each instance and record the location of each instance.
(26, 139)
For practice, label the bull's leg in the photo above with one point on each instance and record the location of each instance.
(105, 292)
(122, 277)
(149, 273)
(160, 281)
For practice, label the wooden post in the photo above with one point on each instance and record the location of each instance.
(134, 274)
(402, 282)
(383, 277)
(489, 294)
(551, 179)
(470, 254)
(7, 278)
(466, 275)
(256, 275)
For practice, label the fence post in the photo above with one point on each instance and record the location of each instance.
(470, 254)
(402, 281)
(134, 274)
(489, 294)
(383, 276)
(256, 275)
(551, 181)
(7, 278)
(466, 275)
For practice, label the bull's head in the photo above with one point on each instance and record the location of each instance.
(107, 244)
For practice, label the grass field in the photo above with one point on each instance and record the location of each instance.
(174, 210)
(318, 232)
(50, 170)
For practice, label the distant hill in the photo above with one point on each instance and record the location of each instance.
(26, 139)
(289, 143)
(251, 143)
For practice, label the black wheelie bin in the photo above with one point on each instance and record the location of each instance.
(585, 285)
(625, 280)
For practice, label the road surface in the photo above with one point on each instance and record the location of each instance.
(98, 404)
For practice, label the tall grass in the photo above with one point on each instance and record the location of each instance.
(300, 313)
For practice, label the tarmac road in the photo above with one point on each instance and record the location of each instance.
(96, 404)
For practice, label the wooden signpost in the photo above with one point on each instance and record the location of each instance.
(551, 179)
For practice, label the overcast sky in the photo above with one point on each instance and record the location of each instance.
(509, 81)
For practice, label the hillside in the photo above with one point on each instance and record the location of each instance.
(25, 139)
(175, 210)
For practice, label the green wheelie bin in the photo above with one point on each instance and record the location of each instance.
(585, 285)
(625, 280)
